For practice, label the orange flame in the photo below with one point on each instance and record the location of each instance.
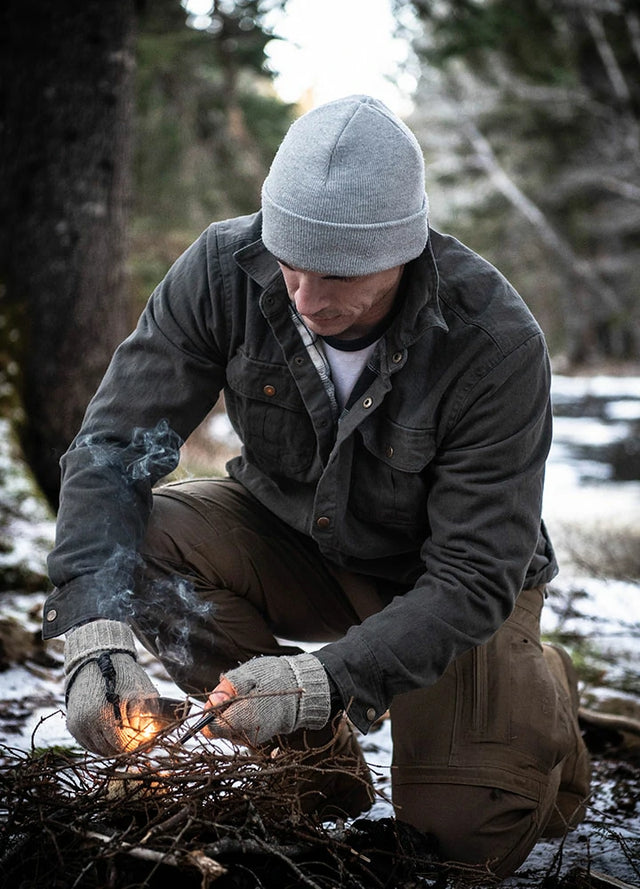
(139, 728)
(145, 718)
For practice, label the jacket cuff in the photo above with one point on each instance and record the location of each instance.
(363, 701)
(79, 602)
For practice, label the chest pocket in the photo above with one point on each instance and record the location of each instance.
(390, 477)
(264, 405)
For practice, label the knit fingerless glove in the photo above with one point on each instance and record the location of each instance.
(101, 676)
(282, 694)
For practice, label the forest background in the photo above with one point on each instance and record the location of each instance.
(125, 131)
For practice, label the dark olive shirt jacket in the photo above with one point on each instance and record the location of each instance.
(432, 480)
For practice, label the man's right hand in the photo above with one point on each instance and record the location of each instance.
(103, 682)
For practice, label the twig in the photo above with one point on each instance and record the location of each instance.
(596, 880)
(166, 825)
(213, 868)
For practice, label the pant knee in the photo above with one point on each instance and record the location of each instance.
(476, 826)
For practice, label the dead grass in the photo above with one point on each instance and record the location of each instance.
(598, 551)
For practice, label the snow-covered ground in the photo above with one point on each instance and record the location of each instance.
(595, 451)
(592, 415)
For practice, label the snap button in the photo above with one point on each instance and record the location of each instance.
(323, 522)
(371, 714)
(51, 614)
(396, 357)
(367, 402)
(269, 390)
(389, 451)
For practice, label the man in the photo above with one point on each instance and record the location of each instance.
(391, 392)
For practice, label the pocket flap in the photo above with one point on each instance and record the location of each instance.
(262, 381)
(400, 447)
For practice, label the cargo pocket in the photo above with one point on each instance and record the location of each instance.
(507, 714)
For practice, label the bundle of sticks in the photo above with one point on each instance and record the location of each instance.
(212, 811)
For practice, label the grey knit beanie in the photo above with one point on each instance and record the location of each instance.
(345, 194)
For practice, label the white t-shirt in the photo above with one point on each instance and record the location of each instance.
(346, 363)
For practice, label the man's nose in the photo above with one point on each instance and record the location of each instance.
(308, 297)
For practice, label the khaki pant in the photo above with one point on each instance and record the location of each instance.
(477, 758)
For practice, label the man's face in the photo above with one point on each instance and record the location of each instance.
(346, 308)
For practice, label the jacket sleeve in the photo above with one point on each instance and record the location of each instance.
(484, 515)
(161, 382)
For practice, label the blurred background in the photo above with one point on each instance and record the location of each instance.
(128, 126)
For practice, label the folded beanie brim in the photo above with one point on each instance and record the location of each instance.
(336, 248)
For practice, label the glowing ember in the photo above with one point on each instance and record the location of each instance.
(144, 719)
(141, 728)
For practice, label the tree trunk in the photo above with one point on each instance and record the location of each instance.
(66, 71)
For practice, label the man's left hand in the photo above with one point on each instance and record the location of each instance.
(271, 696)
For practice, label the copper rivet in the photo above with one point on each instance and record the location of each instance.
(367, 402)
(51, 615)
(389, 451)
(371, 714)
(269, 390)
(323, 522)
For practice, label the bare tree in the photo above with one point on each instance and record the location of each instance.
(530, 117)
